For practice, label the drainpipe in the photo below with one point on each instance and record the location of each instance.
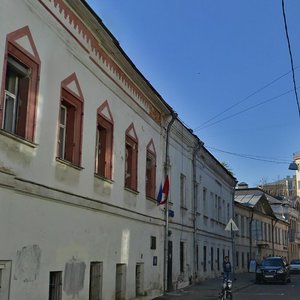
(232, 235)
(273, 242)
(250, 235)
(197, 148)
(166, 168)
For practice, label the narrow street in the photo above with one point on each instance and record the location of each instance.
(272, 291)
(244, 288)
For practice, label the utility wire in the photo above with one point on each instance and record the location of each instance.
(246, 109)
(254, 157)
(244, 99)
(290, 53)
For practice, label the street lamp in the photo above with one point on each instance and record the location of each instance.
(293, 166)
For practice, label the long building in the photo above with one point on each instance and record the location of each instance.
(86, 142)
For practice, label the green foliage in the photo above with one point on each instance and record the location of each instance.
(225, 165)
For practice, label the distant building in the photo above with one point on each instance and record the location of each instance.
(262, 231)
(285, 187)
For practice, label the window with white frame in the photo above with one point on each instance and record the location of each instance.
(70, 121)
(182, 190)
(204, 192)
(19, 91)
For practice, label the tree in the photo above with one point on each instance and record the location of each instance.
(225, 165)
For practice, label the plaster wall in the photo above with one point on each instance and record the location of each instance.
(42, 235)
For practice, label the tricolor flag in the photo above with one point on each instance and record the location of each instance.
(163, 192)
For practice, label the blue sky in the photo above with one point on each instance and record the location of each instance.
(224, 67)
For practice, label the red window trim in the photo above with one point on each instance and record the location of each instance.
(32, 61)
(106, 122)
(70, 100)
(108, 127)
(150, 190)
(132, 140)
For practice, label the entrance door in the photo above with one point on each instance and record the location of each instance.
(120, 282)
(5, 271)
(139, 274)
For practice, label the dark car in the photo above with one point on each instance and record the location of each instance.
(273, 269)
(295, 266)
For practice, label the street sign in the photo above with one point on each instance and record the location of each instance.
(231, 226)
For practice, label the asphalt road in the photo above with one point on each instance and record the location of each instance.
(271, 291)
(244, 289)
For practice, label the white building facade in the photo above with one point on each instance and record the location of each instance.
(85, 142)
(79, 136)
(201, 198)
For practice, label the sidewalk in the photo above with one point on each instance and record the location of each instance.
(209, 289)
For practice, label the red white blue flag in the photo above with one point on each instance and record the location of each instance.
(163, 192)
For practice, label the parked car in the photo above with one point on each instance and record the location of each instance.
(295, 266)
(273, 269)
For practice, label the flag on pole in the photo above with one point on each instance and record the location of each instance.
(163, 192)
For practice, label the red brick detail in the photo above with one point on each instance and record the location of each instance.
(93, 44)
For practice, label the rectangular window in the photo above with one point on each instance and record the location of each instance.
(204, 201)
(237, 258)
(228, 211)
(96, 273)
(243, 259)
(212, 258)
(150, 174)
(182, 191)
(181, 257)
(216, 211)
(70, 128)
(55, 285)
(248, 259)
(197, 257)
(104, 138)
(218, 259)
(16, 96)
(204, 259)
(62, 131)
(219, 209)
(153, 243)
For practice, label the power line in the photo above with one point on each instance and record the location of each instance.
(253, 157)
(244, 99)
(290, 53)
(246, 109)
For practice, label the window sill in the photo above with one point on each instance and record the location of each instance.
(18, 138)
(103, 178)
(149, 198)
(131, 190)
(69, 164)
